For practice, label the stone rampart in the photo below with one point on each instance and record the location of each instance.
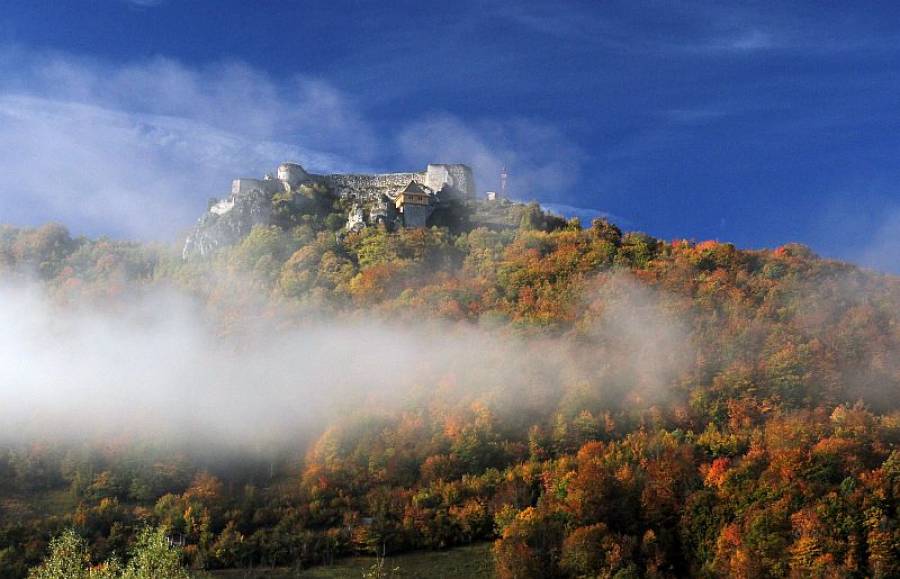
(455, 179)
(243, 186)
(367, 186)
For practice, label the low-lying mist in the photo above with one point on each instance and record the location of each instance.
(154, 366)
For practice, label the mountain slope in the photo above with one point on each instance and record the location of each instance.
(599, 403)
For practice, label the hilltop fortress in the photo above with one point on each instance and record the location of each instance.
(436, 178)
(391, 199)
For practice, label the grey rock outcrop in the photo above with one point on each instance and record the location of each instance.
(228, 222)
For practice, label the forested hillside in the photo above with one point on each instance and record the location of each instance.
(619, 406)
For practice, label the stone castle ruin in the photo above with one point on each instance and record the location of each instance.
(390, 199)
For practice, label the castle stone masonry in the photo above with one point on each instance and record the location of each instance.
(392, 199)
(454, 179)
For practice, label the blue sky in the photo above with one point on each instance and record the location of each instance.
(757, 123)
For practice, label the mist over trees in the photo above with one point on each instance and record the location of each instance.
(597, 403)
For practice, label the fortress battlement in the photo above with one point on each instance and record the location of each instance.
(393, 199)
(450, 179)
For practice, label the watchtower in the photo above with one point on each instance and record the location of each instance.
(292, 174)
(415, 205)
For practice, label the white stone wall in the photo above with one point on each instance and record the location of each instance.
(436, 176)
(458, 178)
(292, 174)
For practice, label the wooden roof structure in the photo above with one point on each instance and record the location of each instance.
(413, 194)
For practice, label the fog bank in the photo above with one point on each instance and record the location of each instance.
(155, 366)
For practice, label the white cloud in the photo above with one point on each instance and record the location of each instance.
(135, 150)
(693, 116)
(145, 3)
(751, 40)
(861, 224)
(882, 250)
(541, 161)
(152, 363)
(585, 214)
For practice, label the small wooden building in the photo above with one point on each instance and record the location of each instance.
(413, 194)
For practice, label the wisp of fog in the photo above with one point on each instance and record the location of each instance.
(153, 365)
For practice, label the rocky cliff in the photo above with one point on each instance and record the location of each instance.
(229, 224)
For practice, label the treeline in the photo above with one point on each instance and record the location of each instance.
(769, 449)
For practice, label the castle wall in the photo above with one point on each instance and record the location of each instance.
(242, 186)
(292, 173)
(459, 178)
(416, 215)
(464, 180)
(362, 186)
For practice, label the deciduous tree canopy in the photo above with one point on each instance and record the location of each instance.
(740, 416)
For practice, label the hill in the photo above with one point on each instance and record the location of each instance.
(597, 402)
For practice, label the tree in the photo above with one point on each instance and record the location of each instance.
(335, 221)
(593, 551)
(69, 559)
(532, 218)
(530, 545)
(153, 558)
(603, 230)
(263, 252)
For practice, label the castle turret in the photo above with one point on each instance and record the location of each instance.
(455, 179)
(414, 204)
(292, 174)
